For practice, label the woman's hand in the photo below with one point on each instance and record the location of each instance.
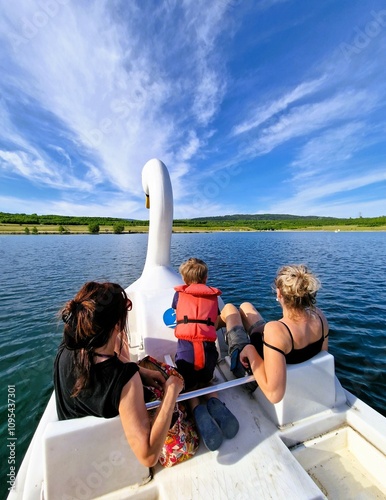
(175, 383)
(152, 378)
(245, 355)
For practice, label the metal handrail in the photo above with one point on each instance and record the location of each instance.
(206, 390)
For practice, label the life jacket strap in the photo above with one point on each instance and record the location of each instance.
(199, 355)
(186, 320)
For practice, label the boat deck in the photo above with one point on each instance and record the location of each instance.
(258, 464)
(77, 458)
(254, 463)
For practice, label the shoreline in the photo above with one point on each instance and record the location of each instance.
(73, 232)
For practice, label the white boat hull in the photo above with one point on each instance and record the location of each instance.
(90, 458)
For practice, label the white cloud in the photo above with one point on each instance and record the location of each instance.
(318, 196)
(309, 118)
(93, 90)
(114, 207)
(264, 113)
(330, 148)
(340, 208)
(208, 96)
(189, 149)
(267, 4)
(104, 81)
(32, 166)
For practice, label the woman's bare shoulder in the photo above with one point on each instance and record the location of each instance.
(276, 334)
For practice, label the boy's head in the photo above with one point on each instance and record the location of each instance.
(194, 271)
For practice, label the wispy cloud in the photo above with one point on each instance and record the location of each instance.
(264, 113)
(102, 81)
(91, 91)
(318, 198)
(266, 4)
(97, 206)
(308, 118)
(330, 148)
(40, 172)
(209, 93)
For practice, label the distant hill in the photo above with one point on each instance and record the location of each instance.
(21, 218)
(262, 217)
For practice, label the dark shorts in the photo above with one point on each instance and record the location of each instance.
(185, 364)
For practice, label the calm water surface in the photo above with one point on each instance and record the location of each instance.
(39, 273)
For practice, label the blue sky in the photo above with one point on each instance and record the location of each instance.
(264, 106)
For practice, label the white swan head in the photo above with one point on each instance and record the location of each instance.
(153, 292)
(157, 272)
(158, 190)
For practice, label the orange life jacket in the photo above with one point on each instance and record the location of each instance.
(196, 314)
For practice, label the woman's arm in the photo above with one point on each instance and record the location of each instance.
(146, 440)
(325, 329)
(271, 372)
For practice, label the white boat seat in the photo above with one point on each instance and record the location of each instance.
(88, 457)
(310, 390)
(148, 333)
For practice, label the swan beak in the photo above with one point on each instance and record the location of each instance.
(147, 201)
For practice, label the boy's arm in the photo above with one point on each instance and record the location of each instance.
(175, 300)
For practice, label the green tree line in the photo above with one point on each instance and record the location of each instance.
(57, 220)
(257, 222)
(277, 222)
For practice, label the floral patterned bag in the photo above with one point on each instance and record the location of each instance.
(182, 439)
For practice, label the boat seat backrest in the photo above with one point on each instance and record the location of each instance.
(310, 390)
(88, 457)
(148, 332)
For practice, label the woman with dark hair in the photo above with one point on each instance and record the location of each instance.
(300, 334)
(93, 374)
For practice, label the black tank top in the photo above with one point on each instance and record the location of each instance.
(295, 355)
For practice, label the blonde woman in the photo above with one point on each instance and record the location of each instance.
(300, 334)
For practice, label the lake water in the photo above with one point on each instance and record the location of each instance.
(39, 273)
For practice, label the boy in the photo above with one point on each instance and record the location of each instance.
(197, 310)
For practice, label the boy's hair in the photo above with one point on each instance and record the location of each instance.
(194, 271)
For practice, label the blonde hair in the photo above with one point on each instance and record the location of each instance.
(193, 271)
(298, 286)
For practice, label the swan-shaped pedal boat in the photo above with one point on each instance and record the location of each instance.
(301, 448)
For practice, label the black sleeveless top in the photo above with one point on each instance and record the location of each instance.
(100, 400)
(295, 355)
